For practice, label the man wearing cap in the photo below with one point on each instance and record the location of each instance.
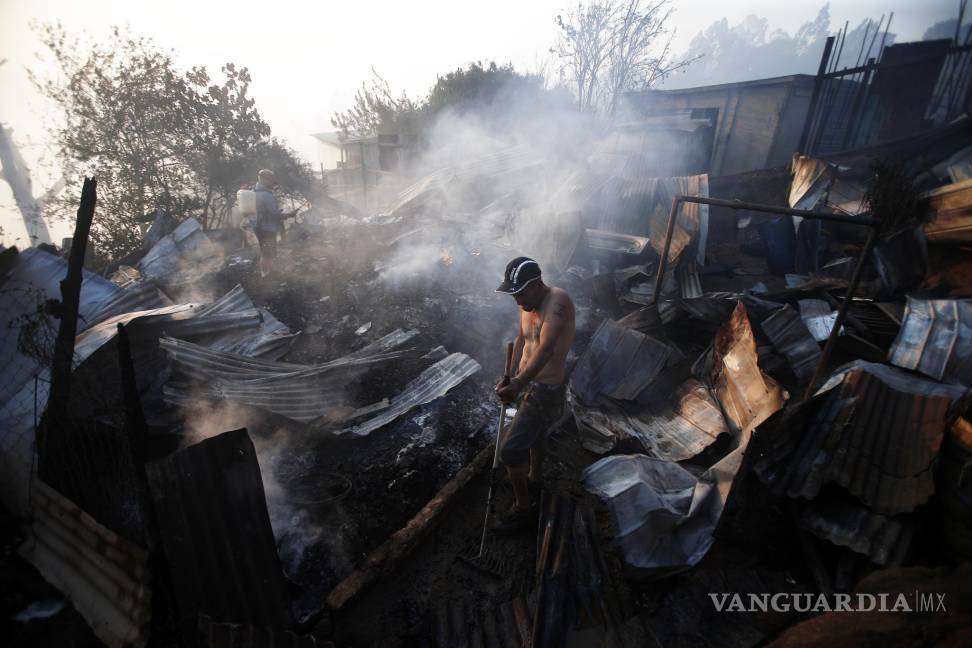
(270, 219)
(540, 357)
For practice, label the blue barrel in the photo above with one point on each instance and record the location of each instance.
(780, 239)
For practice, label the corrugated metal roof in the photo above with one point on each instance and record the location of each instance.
(216, 533)
(936, 339)
(619, 363)
(876, 433)
(884, 540)
(686, 428)
(790, 336)
(301, 392)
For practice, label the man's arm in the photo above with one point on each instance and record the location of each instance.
(553, 326)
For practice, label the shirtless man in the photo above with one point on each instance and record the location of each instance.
(540, 356)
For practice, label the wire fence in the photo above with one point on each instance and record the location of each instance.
(89, 458)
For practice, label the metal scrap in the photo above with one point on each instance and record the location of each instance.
(431, 384)
(748, 396)
(876, 433)
(619, 363)
(791, 338)
(300, 392)
(692, 423)
(936, 339)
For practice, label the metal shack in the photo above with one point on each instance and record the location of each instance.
(749, 125)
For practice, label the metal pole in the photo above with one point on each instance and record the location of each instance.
(842, 312)
(815, 97)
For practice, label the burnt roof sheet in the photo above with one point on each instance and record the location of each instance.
(688, 427)
(876, 433)
(430, 384)
(791, 338)
(619, 363)
(216, 532)
(936, 339)
(300, 392)
(883, 539)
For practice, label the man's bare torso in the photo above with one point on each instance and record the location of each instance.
(557, 302)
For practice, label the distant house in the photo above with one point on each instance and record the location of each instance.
(353, 166)
(736, 127)
(329, 147)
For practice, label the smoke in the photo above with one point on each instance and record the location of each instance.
(296, 527)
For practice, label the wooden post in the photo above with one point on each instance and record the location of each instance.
(60, 391)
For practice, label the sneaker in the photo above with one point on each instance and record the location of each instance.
(516, 520)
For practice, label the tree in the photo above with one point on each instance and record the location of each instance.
(609, 47)
(155, 136)
(376, 110)
(488, 90)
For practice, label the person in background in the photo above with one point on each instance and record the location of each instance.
(540, 357)
(269, 221)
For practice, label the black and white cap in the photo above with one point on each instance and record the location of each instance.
(519, 272)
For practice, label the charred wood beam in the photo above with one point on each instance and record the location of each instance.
(386, 557)
(60, 390)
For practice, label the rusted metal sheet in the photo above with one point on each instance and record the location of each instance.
(885, 540)
(876, 433)
(105, 576)
(791, 338)
(936, 339)
(951, 207)
(216, 533)
(748, 396)
(812, 179)
(619, 363)
(689, 426)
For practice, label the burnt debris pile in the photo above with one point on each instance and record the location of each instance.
(771, 376)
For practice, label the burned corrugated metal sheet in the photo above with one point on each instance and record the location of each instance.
(186, 251)
(598, 239)
(510, 164)
(689, 426)
(619, 363)
(687, 274)
(431, 384)
(876, 433)
(818, 317)
(811, 182)
(216, 533)
(885, 540)
(301, 392)
(791, 338)
(936, 339)
(271, 340)
(105, 576)
(748, 396)
(31, 277)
